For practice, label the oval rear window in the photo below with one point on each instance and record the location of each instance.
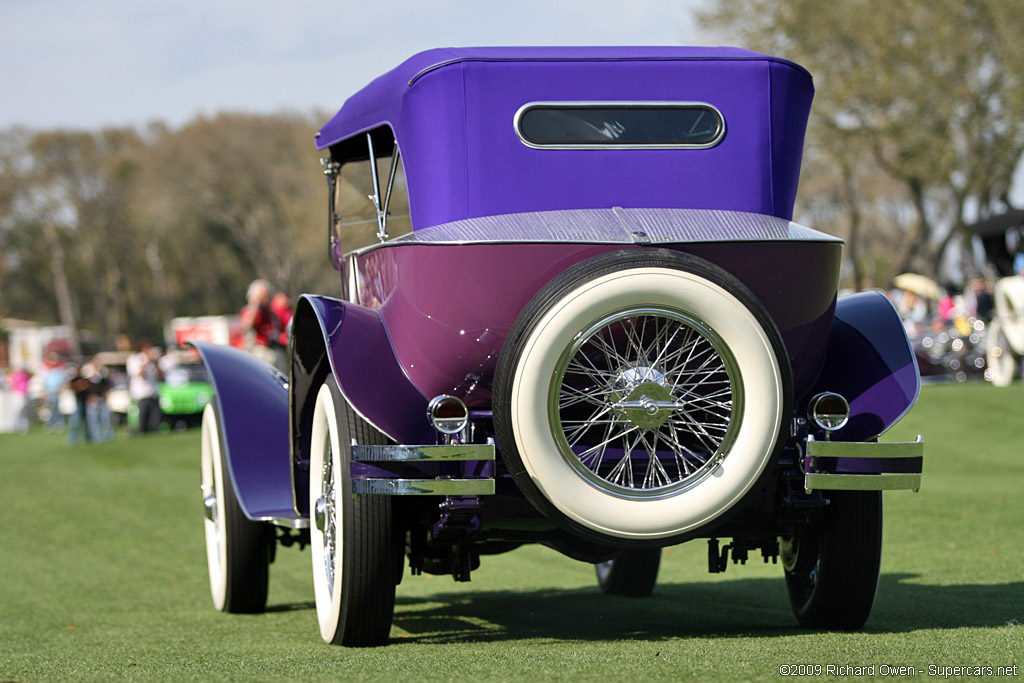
(664, 125)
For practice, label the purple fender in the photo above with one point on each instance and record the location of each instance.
(330, 336)
(871, 363)
(252, 399)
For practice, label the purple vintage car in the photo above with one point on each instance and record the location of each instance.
(582, 317)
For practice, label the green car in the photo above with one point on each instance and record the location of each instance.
(184, 393)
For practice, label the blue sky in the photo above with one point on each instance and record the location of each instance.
(123, 62)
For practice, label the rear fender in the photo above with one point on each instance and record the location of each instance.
(252, 400)
(350, 342)
(870, 362)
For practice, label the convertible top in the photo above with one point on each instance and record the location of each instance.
(451, 111)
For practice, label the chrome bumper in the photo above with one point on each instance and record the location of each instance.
(868, 466)
(468, 470)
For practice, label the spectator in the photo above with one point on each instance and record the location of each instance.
(98, 411)
(260, 325)
(983, 302)
(281, 306)
(81, 386)
(54, 380)
(144, 376)
(18, 380)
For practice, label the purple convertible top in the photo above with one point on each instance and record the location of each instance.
(451, 111)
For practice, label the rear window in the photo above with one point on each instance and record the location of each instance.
(575, 125)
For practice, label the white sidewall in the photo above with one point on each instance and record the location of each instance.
(999, 358)
(212, 465)
(1009, 296)
(325, 426)
(761, 417)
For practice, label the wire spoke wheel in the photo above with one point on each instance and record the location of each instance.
(645, 402)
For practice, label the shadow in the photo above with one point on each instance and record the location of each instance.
(291, 607)
(721, 609)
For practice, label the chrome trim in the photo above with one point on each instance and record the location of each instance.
(861, 482)
(442, 428)
(382, 234)
(636, 104)
(209, 502)
(320, 513)
(441, 453)
(375, 197)
(867, 449)
(331, 170)
(424, 487)
(812, 409)
(610, 226)
(287, 522)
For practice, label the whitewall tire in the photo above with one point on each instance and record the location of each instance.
(238, 550)
(354, 547)
(644, 395)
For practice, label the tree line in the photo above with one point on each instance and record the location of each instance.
(119, 230)
(917, 127)
(916, 132)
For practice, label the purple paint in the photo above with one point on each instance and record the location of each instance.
(367, 372)
(870, 362)
(252, 398)
(452, 112)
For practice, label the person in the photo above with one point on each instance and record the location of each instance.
(983, 302)
(281, 305)
(144, 376)
(81, 386)
(260, 325)
(18, 380)
(98, 412)
(54, 378)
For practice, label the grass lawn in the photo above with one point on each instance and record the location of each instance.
(103, 576)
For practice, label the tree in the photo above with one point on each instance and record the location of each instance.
(231, 198)
(925, 92)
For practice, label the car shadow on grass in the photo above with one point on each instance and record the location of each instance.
(740, 608)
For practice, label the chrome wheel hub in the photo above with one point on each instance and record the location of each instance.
(209, 503)
(324, 517)
(645, 402)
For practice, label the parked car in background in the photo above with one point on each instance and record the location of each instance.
(579, 314)
(183, 392)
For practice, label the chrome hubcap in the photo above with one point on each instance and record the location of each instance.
(209, 504)
(645, 402)
(324, 517)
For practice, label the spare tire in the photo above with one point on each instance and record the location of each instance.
(640, 395)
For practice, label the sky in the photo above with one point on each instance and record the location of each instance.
(87, 65)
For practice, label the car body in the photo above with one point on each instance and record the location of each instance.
(580, 315)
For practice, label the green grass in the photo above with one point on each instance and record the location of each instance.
(102, 576)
